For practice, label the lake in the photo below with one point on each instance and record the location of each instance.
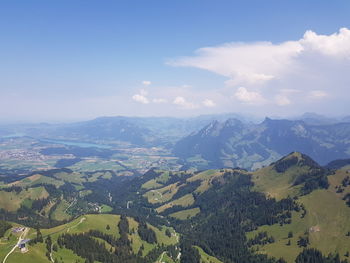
(78, 144)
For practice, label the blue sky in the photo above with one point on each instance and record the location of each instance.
(71, 60)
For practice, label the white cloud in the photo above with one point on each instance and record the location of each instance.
(279, 74)
(251, 63)
(244, 63)
(183, 103)
(140, 98)
(146, 83)
(208, 103)
(250, 97)
(317, 94)
(143, 92)
(337, 44)
(282, 100)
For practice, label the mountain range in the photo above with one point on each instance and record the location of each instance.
(209, 141)
(235, 143)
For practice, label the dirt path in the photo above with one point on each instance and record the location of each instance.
(161, 257)
(81, 221)
(22, 236)
(51, 258)
(72, 203)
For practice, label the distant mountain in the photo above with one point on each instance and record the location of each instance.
(108, 128)
(338, 164)
(233, 143)
(140, 131)
(346, 119)
(122, 129)
(172, 129)
(226, 139)
(317, 119)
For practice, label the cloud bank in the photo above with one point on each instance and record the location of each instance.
(303, 71)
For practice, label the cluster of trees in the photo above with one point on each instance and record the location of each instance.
(190, 187)
(346, 198)
(303, 241)
(284, 164)
(39, 204)
(92, 250)
(32, 215)
(261, 238)
(147, 234)
(346, 181)
(4, 226)
(228, 210)
(86, 247)
(13, 188)
(311, 255)
(110, 239)
(49, 245)
(189, 254)
(38, 239)
(314, 178)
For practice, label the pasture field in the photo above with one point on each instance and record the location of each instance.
(60, 212)
(326, 223)
(11, 201)
(277, 185)
(82, 224)
(186, 214)
(183, 201)
(205, 258)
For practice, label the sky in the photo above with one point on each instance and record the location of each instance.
(76, 60)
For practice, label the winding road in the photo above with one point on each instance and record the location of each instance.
(22, 236)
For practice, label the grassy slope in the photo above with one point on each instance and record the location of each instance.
(327, 213)
(186, 214)
(274, 184)
(164, 258)
(11, 201)
(38, 179)
(160, 234)
(60, 212)
(161, 193)
(183, 201)
(82, 224)
(205, 258)
(6, 244)
(157, 182)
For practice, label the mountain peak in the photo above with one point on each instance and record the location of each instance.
(232, 122)
(211, 129)
(293, 159)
